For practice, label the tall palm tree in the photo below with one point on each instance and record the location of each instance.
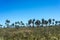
(33, 22)
(38, 23)
(43, 21)
(49, 21)
(7, 23)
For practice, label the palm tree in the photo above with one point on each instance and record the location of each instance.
(22, 24)
(49, 21)
(53, 21)
(46, 22)
(30, 22)
(7, 23)
(43, 21)
(33, 22)
(38, 23)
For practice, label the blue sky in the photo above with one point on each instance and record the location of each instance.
(17, 10)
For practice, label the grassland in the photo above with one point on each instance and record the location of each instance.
(41, 33)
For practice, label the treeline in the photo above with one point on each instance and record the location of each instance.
(31, 23)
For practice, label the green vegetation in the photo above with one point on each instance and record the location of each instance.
(33, 30)
(41, 33)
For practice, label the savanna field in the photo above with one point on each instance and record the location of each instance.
(41, 33)
(39, 30)
(29, 19)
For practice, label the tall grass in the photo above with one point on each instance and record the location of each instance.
(41, 33)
